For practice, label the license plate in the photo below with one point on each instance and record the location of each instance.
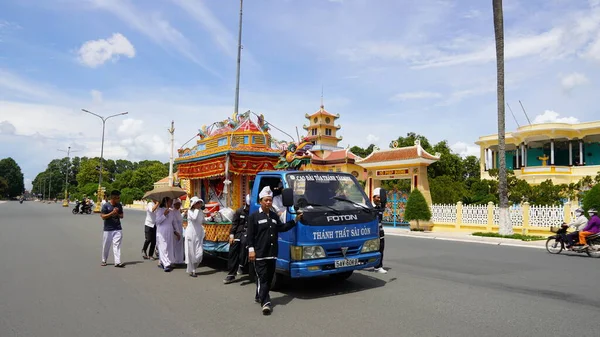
(346, 263)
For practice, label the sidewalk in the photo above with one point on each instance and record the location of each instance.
(464, 237)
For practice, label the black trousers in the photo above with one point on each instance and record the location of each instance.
(150, 234)
(381, 247)
(265, 270)
(238, 254)
(572, 238)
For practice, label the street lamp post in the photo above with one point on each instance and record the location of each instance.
(104, 119)
(66, 201)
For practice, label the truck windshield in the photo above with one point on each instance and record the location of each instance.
(338, 191)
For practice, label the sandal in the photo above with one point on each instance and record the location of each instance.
(103, 264)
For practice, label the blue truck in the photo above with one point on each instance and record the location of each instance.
(339, 230)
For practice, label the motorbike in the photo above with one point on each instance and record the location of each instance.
(555, 244)
(84, 209)
(20, 201)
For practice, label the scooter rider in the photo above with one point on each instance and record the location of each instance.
(578, 224)
(592, 227)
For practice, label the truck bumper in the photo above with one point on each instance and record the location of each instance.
(322, 267)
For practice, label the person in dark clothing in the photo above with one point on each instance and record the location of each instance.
(263, 229)
(379, 208)
(237, 242)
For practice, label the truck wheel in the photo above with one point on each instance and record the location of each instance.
(278, 281)
(341, 276)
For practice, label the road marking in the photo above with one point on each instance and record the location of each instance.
(2, 202)
(466, 241)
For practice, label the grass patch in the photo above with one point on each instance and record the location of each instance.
(514, 236)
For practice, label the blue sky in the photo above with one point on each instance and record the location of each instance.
(388, 67)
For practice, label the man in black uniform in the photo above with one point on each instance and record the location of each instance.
(263, 229)
(238, 241)
(379, 208)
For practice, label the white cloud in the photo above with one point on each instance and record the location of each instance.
(372, 139)
(573, 80)
(154, 27)
(96, 52)
(593, 50)
(96, 96)
(550, 116)
(130, 127)
(464, 150)
(7, 128)
(415, 95)
(472, 14)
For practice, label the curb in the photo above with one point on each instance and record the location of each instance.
(466, 241)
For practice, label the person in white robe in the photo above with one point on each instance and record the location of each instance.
(166, 229)
(194, 235)
(177, 243)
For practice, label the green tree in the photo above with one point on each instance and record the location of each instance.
(472, 169)
(363, 153)
(445, 190)
(11, 172)
(89, 171)
(592, 199)
(145, 176)
(546, 194)
(3, 187)
(410, 139)
(482, 192)
(128, 195)
(417, 208)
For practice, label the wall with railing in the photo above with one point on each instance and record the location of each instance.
(525, 218)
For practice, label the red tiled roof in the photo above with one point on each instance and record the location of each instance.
(340, 154)
(404, 153)
(323, 112)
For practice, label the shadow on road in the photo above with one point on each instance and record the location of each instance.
(128, 263)
(307, 289)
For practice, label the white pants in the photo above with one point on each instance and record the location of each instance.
(113, 237)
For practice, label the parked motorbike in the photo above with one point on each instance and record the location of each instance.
(557, 243)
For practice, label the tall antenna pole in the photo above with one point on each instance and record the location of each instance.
(239, 62)
(237, 103)
(322, 105)
(172, 132)
(525, 112)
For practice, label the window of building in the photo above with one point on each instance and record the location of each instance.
(314, 132)
(201, 147)
(327, 120)
(222, 141)
(328, 132)
(246, 139)
(315, 120)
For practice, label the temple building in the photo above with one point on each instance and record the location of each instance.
(563, 153)
(327, 155)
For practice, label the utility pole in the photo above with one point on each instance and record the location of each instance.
(66, 201)
(172, 132)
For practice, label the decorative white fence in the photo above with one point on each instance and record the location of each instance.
(525, 215)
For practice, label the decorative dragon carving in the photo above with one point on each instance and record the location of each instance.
(294, 156)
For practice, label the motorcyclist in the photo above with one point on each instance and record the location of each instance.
(593, 227)
(578, 224)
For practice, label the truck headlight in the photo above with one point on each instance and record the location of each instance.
(306, 252)
(370, 246)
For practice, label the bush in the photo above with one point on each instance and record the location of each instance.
(417, 208)
(512, 236)
(592, 198)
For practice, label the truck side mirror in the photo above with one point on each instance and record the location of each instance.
(383, 197)
(287, 196)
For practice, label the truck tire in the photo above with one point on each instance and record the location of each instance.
(340, 277)
(278, 281)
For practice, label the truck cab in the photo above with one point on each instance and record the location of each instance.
(339, 229)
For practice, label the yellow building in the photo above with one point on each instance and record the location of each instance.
(327, 155)
(563, 153)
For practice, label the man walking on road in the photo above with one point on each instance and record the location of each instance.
(379, 208)
(150, 230)
(263, 229)
(112, 213)
(237, 241)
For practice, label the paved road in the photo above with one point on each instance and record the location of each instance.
(52, 284)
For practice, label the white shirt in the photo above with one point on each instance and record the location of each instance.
(150, 216)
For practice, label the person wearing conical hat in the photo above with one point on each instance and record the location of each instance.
(263, 229)
(194, 235)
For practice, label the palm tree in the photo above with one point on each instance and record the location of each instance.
(504, 215)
